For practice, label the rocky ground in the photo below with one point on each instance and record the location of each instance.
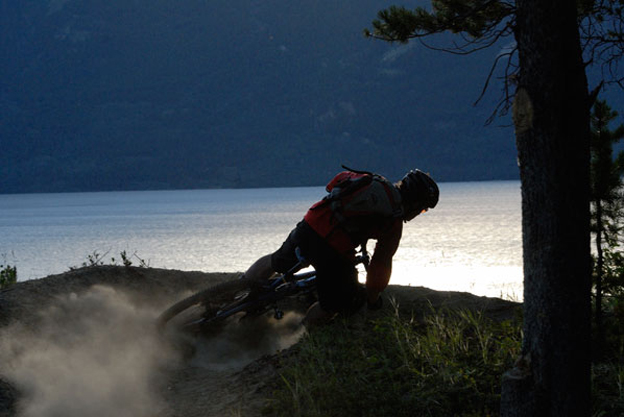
(84, 343)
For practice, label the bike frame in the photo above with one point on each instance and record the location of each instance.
(279, 288)
(286, 285)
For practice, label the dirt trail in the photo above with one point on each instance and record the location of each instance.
(84, 343)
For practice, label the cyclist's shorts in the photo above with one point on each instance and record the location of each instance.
(337, 284)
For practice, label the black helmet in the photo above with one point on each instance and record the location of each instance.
(419, 192)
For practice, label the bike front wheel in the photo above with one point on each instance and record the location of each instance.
(192, 312)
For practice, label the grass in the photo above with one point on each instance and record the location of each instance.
(449, 363)
(98, 259)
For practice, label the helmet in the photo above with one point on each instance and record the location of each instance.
(419, 192)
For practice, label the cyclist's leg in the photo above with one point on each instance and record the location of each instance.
(338, 288)
(261, 270)
(338, 293)
(285, 258)
(337, 284)
(279, 261)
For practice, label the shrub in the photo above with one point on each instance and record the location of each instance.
(8, 275)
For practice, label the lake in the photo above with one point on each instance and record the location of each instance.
(470, 242)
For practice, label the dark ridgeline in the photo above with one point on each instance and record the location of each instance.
(104, 95)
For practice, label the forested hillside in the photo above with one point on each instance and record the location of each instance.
(137, 94)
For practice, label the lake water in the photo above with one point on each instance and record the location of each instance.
(470, 242)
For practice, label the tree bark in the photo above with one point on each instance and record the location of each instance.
(551, 115)
(600, 230)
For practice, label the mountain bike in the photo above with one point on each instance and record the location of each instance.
(244, 298)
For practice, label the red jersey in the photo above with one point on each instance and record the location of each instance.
(345, 235)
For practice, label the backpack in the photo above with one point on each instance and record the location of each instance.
(358, 195)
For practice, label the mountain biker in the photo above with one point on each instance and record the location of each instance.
(328, 238)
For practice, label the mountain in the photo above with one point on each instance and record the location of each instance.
(137, 94)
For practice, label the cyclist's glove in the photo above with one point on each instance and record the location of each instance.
(376, 305)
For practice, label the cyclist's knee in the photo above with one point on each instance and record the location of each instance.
(260, 270)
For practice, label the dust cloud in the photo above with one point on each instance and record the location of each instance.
(98, 354)
(90, 355)
(243, 341)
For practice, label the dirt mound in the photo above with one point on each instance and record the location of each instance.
(84, 343)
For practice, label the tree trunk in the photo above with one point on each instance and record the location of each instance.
(598, 342)
(551, 116)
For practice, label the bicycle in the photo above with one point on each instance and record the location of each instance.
(217, 303)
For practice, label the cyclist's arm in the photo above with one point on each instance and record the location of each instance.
(380, 267)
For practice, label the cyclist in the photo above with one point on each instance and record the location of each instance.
(328, 236)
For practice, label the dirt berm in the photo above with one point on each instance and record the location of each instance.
(83, 343)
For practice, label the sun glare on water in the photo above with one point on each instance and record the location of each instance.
(471, 242)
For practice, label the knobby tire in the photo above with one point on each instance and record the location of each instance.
(219, 294)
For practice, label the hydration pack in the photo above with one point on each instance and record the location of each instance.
(359, 195)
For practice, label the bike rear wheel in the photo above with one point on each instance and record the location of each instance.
(204, 304)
